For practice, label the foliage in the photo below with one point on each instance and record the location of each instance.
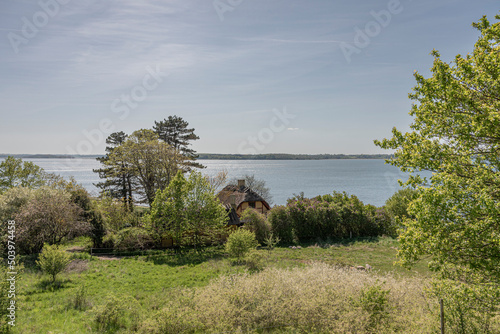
(270, 241)
(254, 260)
(455, 134)
(118, 180)
(375, 301)
(115, 215)
(329, 216)
(133, 238)
(259, 186)
(90, 214)
(314, 299)
(46, 215)
(468, 308)
(188, 211)
(240, 242)
(16, 173)
(397, 205)
(115, 314)
(53, 260)
(175, 132)
(257, 223)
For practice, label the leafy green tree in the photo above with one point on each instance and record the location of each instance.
(175, 132)
(152, 163)
(189, 211)
(257, 223)
(16, 173)
(53, 260)
(118, 180)
(456, 135)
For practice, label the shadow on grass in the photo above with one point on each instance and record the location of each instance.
(46, 285)
(186, 257)
(325, 243)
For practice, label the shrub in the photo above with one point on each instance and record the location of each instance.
(133, 238)
(116, 313)
(254, 260)
(375, 301)
(329, 216)
(80, 300)
(53, 260)
(314, 299)
(257, 223)
(397, 204)
(48, 216)
(240, 242)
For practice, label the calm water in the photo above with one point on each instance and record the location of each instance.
(371, 180)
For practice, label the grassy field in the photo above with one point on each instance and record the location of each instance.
(140, 285)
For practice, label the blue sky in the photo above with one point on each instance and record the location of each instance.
(251, 76)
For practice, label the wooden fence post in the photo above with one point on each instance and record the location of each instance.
(442, 315)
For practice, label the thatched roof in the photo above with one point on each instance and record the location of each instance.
(241, 194)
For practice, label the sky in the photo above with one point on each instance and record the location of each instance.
(251, 76)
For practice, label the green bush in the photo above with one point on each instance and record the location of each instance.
(240, 242)
(133, 238)
(53, 260)
(116, 313)
(335, 216)
(257, 223)
(397, 204)
(254, 260)
(375, 301)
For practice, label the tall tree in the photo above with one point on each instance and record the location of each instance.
(175, 131)
(455, 134)
(151, 162)
(118, 181)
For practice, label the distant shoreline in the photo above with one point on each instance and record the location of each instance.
(217, 156)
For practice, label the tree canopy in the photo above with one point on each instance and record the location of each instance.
(456, 135)
(18, 173)
(175, 132)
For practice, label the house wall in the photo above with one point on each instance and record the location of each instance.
(259, 206)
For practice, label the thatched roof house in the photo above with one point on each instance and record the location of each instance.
(238, 198)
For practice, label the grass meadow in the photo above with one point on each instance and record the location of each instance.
(314, 289)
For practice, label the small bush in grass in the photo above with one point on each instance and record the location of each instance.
(53, 260)
(270, 241)
(80, 300)
(240, 242)
(375, 301)
(117, 313)
(254, 261)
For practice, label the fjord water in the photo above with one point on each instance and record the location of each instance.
(371, 180)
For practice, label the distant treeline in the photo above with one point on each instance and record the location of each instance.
(217, 156)
(282, 156)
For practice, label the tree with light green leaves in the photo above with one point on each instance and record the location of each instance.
(189, 211)
(455, 219)
(18, 173)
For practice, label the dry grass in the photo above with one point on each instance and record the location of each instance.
(316, 299)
